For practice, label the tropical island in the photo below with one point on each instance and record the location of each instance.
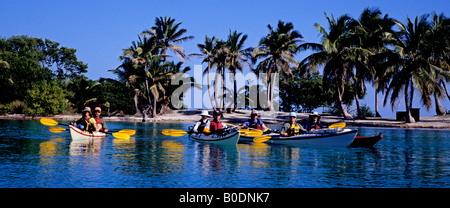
(41, 78)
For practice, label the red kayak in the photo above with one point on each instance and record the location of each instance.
(361, 141)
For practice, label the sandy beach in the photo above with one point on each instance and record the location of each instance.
(434, 122)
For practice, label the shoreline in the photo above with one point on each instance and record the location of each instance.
(191, 116)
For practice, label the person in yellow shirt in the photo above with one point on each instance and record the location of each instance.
(86, 122)
(292, 128)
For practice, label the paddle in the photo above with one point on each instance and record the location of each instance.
(123, 131)
(173, 132)
(341, 125)
(118, 135)
(122, 134)
(261, 138)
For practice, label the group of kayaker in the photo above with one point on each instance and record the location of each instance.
(91, 122)
(289, 128)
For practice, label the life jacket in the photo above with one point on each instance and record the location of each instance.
(254, 125)
(294, 129)
(98, 122)
(88, 126)
(316, 126)
(202, 125)
(215, 126)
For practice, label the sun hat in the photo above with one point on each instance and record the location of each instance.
(315, 113)
(293, 114)
(86, 109)
(205, 113)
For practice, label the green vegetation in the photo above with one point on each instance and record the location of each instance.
(41, 77)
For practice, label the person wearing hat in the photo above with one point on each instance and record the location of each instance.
(202, 123)
(101, 125)
(216, 126)
(254, 122)
(314, 122)
(86, 122)
(292, 128)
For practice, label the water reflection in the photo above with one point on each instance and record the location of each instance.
(38, 158)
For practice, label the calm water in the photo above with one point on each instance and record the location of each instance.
(31, 156)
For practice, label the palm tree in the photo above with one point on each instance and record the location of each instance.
(415, 71)
(439, 56)
(167, 32)
(142, 54)
(372, 33)
(208, 49)
(336, 54)
(236, 57)
(277, 49)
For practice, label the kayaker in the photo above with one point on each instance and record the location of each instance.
(313, 122)
(202, 123)
(101, 125)
(292, 128)
(86, 122)
(254, 122)
(216, 126)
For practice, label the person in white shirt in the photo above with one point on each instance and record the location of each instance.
(202, 123)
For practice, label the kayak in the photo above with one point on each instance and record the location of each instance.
(230, 137)
(77, 133)
(362, 141)
(336, 138)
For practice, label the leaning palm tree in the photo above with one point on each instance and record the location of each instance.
(167, 33)
(277, 49)
(439, 40)
(335, 53)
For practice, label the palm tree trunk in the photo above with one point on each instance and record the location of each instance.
(216, 90)
(209, 86)
(340, 89)
(154, 106)
(440, 110)
(223, 90)
(136, 96)
(360, 116)
(409, 118)
(377, 114)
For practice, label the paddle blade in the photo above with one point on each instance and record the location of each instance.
(57, 129)
(261, 139)
(228, 124)
(254, 133)
(130, 132)
(121, 135)
(173, 132)
(48, 122)
(340, 125)
(178, 134)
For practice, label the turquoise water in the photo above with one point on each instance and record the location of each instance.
(31, 156)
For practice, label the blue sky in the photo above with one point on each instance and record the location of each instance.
(99, 30)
